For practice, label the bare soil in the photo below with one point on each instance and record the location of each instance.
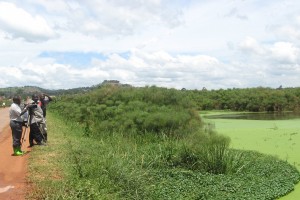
(13, 169)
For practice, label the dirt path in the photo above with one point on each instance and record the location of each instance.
(13, 169)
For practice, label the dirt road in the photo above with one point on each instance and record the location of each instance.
(13, 169)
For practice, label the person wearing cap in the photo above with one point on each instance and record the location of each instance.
(16, 125)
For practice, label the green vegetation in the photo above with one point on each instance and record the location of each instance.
(131, 110)
(260, 99)
(273, 137)
(22, 91)
(248, 99)
(146, 143)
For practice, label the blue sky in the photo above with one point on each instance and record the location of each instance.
(61, 44)
(75, 59)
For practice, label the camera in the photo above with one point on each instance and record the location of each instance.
(31, 105)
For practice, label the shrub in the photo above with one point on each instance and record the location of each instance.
(131, 110)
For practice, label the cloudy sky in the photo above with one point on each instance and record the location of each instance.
(61, 44)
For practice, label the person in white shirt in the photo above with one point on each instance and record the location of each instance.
(16, 124)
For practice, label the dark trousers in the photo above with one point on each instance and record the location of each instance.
(35, 134)
(16, 129)
(43, 128)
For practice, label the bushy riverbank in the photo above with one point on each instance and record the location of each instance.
(172, 160)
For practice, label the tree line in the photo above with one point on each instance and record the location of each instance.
(258, 99)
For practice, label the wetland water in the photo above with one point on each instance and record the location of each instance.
(270, 133)
(256, 116)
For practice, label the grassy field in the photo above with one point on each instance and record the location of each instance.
(275, 137)
(117, 167)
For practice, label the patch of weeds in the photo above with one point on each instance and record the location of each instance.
(120, 166)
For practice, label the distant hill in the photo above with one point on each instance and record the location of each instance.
(30, 90)
(25, 91)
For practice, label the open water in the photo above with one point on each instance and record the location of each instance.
(257, 116)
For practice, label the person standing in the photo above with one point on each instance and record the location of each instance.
(44, 102)
(16, 125)
(36, 122)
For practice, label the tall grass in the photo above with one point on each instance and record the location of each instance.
(155, 114)
(101, 150)
(122, 166)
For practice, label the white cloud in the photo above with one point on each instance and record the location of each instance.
(170, 43)
(55, 6)
(104, 18)
(290, 32)
(250, 45)
(285, 52)
(18, 23)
